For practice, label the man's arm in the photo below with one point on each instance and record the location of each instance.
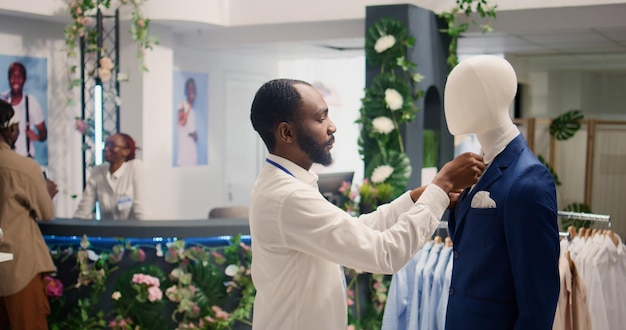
(42, 134)
(43, 191)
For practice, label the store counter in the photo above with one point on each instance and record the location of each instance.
(145, 228)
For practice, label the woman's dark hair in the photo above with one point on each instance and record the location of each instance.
(131, 145)
(275, 102)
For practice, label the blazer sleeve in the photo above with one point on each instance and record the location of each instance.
(533, 244)
(42, 205)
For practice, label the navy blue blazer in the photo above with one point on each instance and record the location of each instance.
(505, 270)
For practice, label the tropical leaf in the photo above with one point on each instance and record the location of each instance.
(566, 125)
(374, 101)
(209, 282)
(384, 27)
(401, 164)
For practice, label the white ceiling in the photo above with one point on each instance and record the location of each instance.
(583, 37)
(588, 37)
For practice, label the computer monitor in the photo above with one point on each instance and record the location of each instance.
(329, 184)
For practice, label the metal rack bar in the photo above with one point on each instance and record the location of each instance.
(585, 216)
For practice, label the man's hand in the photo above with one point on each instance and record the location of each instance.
(460, 173)
(31, 134)
(454, 197)
(52, 188)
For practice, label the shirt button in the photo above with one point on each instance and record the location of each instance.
(456, 254)
(451, 291)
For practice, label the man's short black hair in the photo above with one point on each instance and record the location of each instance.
(189, 81)
(19, 66)
(275, 102)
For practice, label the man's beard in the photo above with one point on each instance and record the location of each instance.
(317, 152)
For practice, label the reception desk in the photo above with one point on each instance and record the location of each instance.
(145, 228)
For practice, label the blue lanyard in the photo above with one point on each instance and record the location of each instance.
(279, 166)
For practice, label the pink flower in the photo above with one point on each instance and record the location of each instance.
(81, 126)
(244, 246)
(345, 186)
(154, 293)
(141, 23)
(54, 287)
(219, 313)
(146, 279)
(350, 327)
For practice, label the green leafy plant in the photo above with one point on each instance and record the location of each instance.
(460, 18)
(388, 103)
(431, 148)
(566, 125)
(206, 288)
(134, 304)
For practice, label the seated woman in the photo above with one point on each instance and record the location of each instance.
(117, 185)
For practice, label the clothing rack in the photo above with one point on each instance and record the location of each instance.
(585, 216)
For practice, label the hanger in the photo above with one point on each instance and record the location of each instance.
(572, 232)
(437, 239)
(448, 242)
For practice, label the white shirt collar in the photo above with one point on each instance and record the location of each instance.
(118, 173)
(309, 177)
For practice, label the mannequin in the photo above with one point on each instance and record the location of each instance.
(504, 230)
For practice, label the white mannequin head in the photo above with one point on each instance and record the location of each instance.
(478, 94)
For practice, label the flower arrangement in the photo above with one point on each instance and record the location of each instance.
(83, 26)
(388, 103)
(205, 288)
(82, 11)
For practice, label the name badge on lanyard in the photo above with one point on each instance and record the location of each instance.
(124, 203)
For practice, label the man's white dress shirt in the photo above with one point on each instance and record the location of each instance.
(299, 241)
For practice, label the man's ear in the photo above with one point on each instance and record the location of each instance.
(285, 132)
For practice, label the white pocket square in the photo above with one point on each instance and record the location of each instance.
(482, 200)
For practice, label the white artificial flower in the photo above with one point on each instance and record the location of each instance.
(122, 77)
(381, 173)
(106, 63)
(393, 99)
(417, 77)
(383, 43)
(382, 125)
(104, 74)
(92, 255)
(231, 270)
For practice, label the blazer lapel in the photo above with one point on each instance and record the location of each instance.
(493, 173)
